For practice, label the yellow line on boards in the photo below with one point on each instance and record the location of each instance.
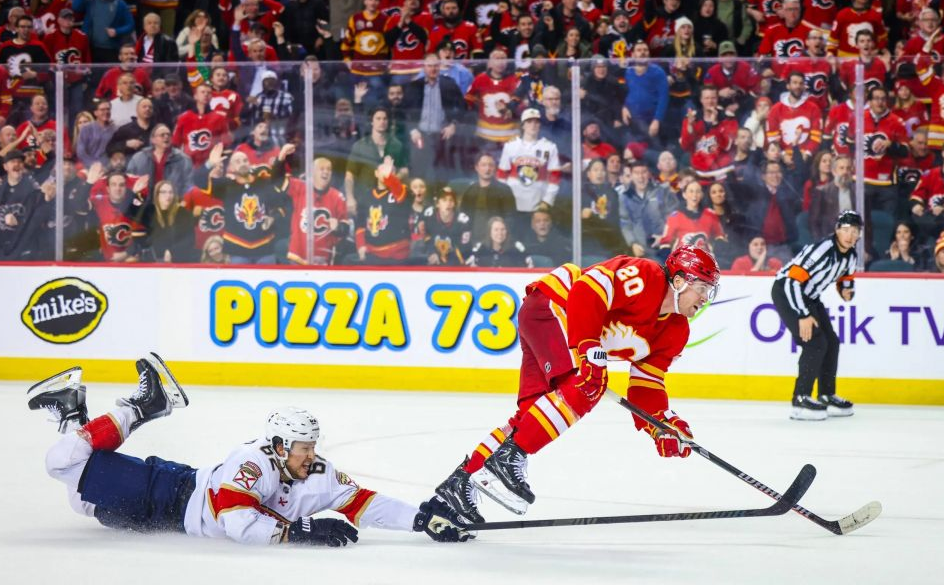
(710, 386)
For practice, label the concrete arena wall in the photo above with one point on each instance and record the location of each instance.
(440, 329)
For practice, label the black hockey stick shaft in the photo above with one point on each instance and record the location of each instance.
(831, 525)
(782, 506)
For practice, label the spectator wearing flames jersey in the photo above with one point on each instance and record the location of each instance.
(120, 213)
(708, 136)
(197, 130)
(326, 220)
(815, 67)
(796, 121)
(784, 40)
(26, 61)
(365, 49)
(68, 45)
(464, 35)
(406, 34)
(108, 86)
(383, 231)
(446, 233)
(885, 140)
(875, 70)
(861, 16)
(492, 94)
(657, 30)
(252, 205)
(915, 165)
(693, 224)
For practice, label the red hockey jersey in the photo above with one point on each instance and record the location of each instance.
(68, 50)
(816, 73)
(840, 128)
(710, 145)
(117, 229)
(887, 128)
(196, 134)
(929, 187)
(913, 117)
(820, 14)
(208, 211)
(229, 103)
(465, 38)
(874, 74)
(619, 302)
(386, 228)
(325, 206)
(485, 95)
(799, 124)
(849, 22)
(683, 229)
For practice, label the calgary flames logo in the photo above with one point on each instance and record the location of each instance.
(617, 337)
(319, 219)
(697, 239)
(771, 7)
(199, 140)
(817, 84)
(601, 206)
(16, 63)
(211, 219)
(824, 4)
(788, 48)
(249, 211)
(796, 130)
(117, 235)
(68, 56)
(376, 220)
(870, 140)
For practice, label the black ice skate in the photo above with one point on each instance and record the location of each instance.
(461, 495)
(836, 406)
(63, 395)
(805, 408)
(503, 477)
(154, 398)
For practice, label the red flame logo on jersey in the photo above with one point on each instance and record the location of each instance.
(117, 235)
(199, 140)
(211, 220)
(407, 42)
(68, 56)
(320, 222)
(249, 211)
(443, 246)
(788, 48)
(601, 206)
(771, 7)
(817, 84)
(462, 48)
(376, 220)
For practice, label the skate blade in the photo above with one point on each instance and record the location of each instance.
(836, 411)
(807, 414)
(175, 394)
(71, 378)
(492, 487)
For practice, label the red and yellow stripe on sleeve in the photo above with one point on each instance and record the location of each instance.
(557, 283)
(355, 506)
(643, 375)
(600, 280)
(231, 498)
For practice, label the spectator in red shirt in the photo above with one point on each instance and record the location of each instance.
(127, 57)
(68, 45)
(756, 259)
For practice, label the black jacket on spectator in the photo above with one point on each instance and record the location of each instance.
(129, 131)
(513, 255)
(177, 237)
(453, 102)
(23, 200)
(824, 209)
(604, 98)
(299, 19)
(756, 206)
(165, 50)
(481, 203)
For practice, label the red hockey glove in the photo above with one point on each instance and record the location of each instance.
(667, 444)
(592, 373)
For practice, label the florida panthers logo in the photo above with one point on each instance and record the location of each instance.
(376, 220)
(211, 220)
(199, 140)
(68, 56)
(870, 140)
(249, 211)
(117, 235)
(443, 246)
(788, 48)
(319, 219)
(527, 170)
(817, 84)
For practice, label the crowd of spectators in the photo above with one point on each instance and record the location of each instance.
(443, 130)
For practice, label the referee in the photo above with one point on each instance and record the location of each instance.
(796, 293)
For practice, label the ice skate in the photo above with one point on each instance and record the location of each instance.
(155, 397)
(63, 395)
(836, 406)
(805, 408)
(503, 477)
(460, 494)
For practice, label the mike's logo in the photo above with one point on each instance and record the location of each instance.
(64, 310)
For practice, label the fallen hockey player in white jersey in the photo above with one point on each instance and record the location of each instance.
(263, 493)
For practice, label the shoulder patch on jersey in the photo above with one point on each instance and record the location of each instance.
(345, 479)
(248, 474)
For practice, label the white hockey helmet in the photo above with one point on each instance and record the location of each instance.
(288, 424)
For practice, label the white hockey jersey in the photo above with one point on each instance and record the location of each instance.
(532, 170)
(246, 498)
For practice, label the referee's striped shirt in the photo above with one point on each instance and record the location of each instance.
(816, 267)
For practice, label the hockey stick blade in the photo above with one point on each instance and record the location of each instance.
(779, 508)
(844, 525)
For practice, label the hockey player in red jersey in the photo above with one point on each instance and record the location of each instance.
(570, 323)
(264, 492)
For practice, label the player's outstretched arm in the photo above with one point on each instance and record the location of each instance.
(320, 532)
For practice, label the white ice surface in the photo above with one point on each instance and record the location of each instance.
(403, 444)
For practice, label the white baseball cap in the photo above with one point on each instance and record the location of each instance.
(530, 114)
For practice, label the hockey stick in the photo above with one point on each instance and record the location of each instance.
(844, 525)
(782, 506)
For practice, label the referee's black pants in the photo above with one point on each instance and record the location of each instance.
(819, 357)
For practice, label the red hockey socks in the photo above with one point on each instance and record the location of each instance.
(109, 431)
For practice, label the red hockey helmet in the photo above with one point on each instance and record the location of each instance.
(695, 264)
